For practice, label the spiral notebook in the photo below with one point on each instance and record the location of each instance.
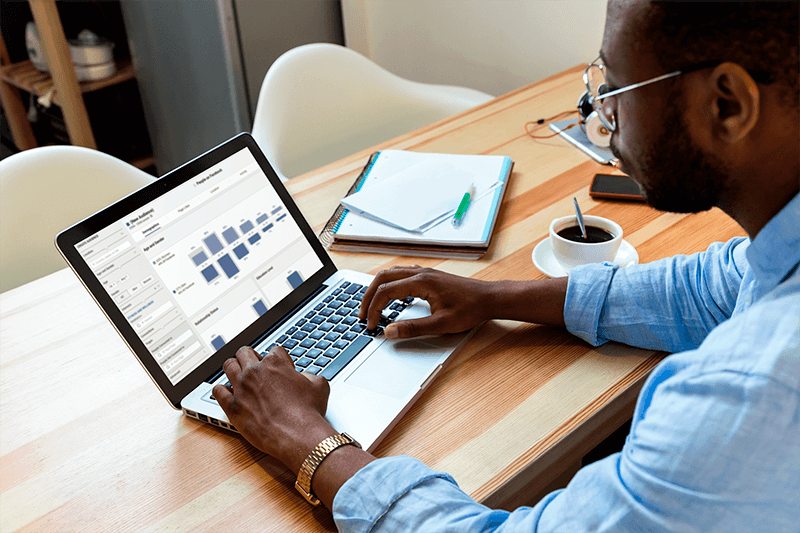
(424, 173)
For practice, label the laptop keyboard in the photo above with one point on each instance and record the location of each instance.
(331, 335)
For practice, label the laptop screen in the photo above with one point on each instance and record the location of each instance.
(193, 268)
(189, 268)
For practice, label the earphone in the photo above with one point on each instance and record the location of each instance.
(597, 133)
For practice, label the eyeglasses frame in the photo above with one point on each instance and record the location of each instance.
(760, 77)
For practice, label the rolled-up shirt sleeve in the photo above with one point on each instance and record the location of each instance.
(671, 304)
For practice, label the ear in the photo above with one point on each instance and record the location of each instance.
(736, 102)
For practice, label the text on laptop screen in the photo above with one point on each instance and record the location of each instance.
(195, 267)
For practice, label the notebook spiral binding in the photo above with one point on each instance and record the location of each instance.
(326, 235)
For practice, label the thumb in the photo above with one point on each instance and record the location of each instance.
(405, 329)
(321, 390)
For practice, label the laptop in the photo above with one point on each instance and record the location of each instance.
(215, 255)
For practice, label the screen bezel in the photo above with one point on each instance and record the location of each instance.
(67, 240)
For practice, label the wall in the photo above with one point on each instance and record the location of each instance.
(491, 45)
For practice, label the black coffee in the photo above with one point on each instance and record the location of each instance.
(593, 234)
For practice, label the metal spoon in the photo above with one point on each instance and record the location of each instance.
(580, 217)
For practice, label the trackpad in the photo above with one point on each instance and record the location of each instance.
(396, 368)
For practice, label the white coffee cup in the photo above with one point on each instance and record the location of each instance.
(570, 254)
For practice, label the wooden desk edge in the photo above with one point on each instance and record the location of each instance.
(559, 457)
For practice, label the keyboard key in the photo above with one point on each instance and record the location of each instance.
(344, 284)
(344, 311)
(309, 327)
(314, 353)
(352, 303)
(334, 305)
(304, 362)
(298, 352)
(291, 330)
(332, 353)
(357, 297)
(327, 311)
(334, 319)
(350, 335)
(300, 322)
(393, 315)
(328, 299)
(299, 335)
(313, 369)
(354, 312)
(308, 343)
(395, 306)
(318, 319)
(316, 335)
(282, 338)
(289, 344)
(363, 289)
(354, 287)
(327, 326)
(310, 314)
(336, 292)
(319, 306)
(373, 332)
(343, 297)
(358, 328)
(340, 344)
(323, 345)
(409, 299)
(332, 337)
(330, 371)
(322, 361)
(341, 328)
(349, 320)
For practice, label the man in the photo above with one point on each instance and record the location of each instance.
(714, 443)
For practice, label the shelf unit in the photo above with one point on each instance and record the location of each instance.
(68, 93)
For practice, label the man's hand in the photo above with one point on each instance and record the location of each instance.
(277, 409)
(457, 303)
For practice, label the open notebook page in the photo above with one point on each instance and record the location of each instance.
(477, 222)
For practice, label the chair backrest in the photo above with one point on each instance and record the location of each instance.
(45, 190)
(321, 102)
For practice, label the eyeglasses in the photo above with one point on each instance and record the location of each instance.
(595, 79)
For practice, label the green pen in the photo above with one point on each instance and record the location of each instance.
(462, 207)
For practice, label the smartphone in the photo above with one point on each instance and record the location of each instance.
(615, 187)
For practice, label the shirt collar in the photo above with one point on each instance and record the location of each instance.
(775, 251)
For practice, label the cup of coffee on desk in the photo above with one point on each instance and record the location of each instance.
(571, 248)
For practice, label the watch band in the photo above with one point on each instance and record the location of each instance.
(317, 455)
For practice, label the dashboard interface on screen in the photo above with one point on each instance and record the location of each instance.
(192, 269)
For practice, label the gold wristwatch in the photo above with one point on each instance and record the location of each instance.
(317, 455)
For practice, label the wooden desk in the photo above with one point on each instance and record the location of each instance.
(88, 443)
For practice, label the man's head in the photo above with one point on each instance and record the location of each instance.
(690, 140)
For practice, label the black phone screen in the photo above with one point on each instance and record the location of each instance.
(615, 186)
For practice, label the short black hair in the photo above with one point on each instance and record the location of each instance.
(761, 36)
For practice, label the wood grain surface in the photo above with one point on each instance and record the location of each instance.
(87, 443)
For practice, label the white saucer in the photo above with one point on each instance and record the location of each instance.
(545, 261)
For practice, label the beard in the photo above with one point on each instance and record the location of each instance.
(676, 175)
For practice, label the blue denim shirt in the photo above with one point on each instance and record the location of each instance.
(715, 439)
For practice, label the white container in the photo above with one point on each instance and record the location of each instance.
(570, 254)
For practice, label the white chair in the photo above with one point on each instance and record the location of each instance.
(45, 190)
(321, 102)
